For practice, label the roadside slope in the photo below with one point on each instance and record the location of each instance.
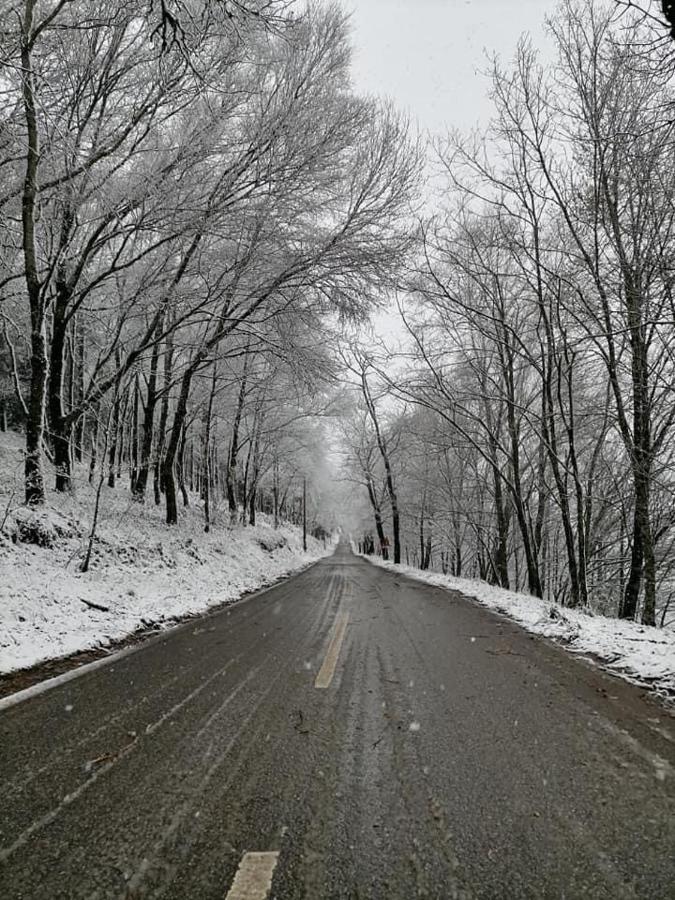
(142, 573)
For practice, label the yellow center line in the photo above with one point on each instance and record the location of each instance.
(327, 670)
(254, 877)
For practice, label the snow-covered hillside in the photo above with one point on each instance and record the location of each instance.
(142, 572)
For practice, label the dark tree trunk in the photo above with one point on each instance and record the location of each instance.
(207, 451)
(79, 362)
(502, 555)
(377, 514)
(158, 481)
(122, 434)
(148, 420)
(275, 492)
(59, 422)
(231, 477)
(94, 447)
(115, 426)
(133, 443)
(34, 479)
(180, 468)
(168, 461)
(382, 445)
(304, 514)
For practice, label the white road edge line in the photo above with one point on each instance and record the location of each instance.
(253, 879)
(327, 670)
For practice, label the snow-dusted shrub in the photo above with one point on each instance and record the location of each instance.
(41, 527)
(563, 629)
(273, 541)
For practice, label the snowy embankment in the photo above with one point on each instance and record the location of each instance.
(637, 653)
(142, 573)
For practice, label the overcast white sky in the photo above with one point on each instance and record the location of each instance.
(426, 54)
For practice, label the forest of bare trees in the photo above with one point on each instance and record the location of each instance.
(337, 449)
(530, 420)
(192, 198)
(197, 208)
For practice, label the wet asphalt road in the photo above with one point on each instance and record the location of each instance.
(451, 755)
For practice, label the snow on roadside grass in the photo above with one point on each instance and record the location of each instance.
(142, 572)
(49, 609)
(636, 652)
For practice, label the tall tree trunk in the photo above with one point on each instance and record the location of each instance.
(59, 426)
(502, 555)
(207, 451)
(158, 482)
(255, 476)
(94, 445)
(112, 451)
(377, 515)
(34, 478)
(231, 476)
(550, 433)
(275, 490)
(133, 443)
(245, 484)
(79, 362)
(180, 467)
(167, 473)
(389, 475)
(148, 419)
(304, 514)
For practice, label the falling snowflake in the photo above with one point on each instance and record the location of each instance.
(414, 726)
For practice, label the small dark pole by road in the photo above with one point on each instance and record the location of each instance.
(304, 513)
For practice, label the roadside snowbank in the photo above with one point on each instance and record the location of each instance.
(142, 573)
(635, 652)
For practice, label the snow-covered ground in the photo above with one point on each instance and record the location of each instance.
(142, 573)
(636, 652)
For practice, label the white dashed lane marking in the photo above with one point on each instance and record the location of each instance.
(254, 877)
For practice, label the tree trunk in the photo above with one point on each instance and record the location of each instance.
(115, 437)
(207, 451)
(133, 443)
(148, 420)
(34, 478)
(502, 561)
(304, 514)
(381, 443)
(94, 446)
(158, 481)
(231, 477)
(79, 363)
(275, 491)
(180, 468)
(377, 514)
(167, 472)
